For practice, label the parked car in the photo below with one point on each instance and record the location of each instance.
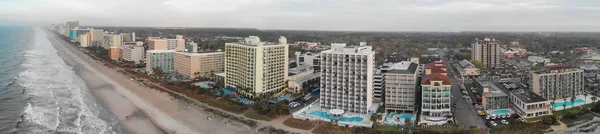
(488, 117)
(493, 123)
(504, 122)
(480, 113)
(503, 116)
(493, 117)
(508, 116)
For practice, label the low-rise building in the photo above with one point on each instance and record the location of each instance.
(528, 104)
(193, 65)
(467, 69)
(537, 59)
(492, 96)
(301, 80)
(159, 59)
(436, 67)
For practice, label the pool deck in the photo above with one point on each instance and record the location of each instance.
(491, 112)
(304, 113)
(581, 97)
(391, 118)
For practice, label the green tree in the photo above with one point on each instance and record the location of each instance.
(479, 65)
(594, 98)
(474, 129)
(549, 119)
(375, 117)
(407, 122)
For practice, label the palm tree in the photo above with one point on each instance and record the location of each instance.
(564, 107)
(573, 101)
(552, 104)
(594, 98)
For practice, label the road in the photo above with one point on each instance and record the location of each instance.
(464, 112)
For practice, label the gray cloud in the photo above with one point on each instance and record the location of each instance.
(370, 15)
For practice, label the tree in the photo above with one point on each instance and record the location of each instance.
(594, 98)
(375, 117)
(479, 65)
(573, 101)
(549, 119)
(474, 129)
(407, 122)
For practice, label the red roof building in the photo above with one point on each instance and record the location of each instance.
(427, 79)
(436, 67)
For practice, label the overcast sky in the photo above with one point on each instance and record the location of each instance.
(355, 15)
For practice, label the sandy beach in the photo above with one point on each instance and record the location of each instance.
(139, 108)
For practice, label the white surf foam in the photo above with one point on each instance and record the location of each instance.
(55, 91)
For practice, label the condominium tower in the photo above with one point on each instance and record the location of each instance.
(194, 65)
(400, 87)
(133, 51)
(159, 59)
(347, 78)
(177, 44)
(557, 82)
(256, 67)
(486, 51)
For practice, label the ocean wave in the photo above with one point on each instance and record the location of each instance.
(55, 94)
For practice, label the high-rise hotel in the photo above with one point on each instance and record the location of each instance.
(347, 78)
(255, 67)
(557, 82)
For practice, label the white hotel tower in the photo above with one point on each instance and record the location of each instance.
(347, 78)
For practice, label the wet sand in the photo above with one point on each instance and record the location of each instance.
(148, 110)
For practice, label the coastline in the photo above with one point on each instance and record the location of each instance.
(173, 116)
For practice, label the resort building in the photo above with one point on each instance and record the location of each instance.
(436, 67)
(300, 81)
(255, 67)
(528, 104)
(133, 51)
(435, 103)
(159, 59)
(193, 65)
(84, 40)
(347, 78)
(74, 34)
(401, 87)
(487, 51)
(177, 44)
(492, 97)
(557, 82)
(114, 53)
(467, 69)
(112, 40)
(308, 59)
(379, 84)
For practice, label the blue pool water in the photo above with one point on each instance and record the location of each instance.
(568, 103)
(343, 119)
(501, 112)
(402, 117)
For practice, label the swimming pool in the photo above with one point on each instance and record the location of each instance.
(343, 119)
(500, 112)
(568, 103)
(402, 117)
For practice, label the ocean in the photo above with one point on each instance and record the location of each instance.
(40, 93)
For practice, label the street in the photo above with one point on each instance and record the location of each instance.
(464, 112)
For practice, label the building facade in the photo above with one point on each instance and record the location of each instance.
(133, 51)
(528, 104)
(84, 40)
(401, 87)
(347, 78)
(255, 67)
(193, 65)
(308, 59)
(436, 89)
(159, 59)
(492, 97)
(467, 69)
(177, 44)
(557, 82)
(112, 41)
(114, 53)
(487, 51)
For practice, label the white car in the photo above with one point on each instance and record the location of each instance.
(487, 117)
(493, 117)
(503, 116)
(508, 116)
(493, 123)
(504, 122)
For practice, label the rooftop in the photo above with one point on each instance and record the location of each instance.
(161, 51)
(493, 90)
(526, 96)
(436, 77)
(199, 53)
(308, 77)
(404, 67)
(557, 67)
(465, 63)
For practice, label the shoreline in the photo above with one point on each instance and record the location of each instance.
(173, 116)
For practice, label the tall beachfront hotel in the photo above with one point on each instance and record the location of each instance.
(254, 67)
(347, 78)
(486, 51)
(160, 59)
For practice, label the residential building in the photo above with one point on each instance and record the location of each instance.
(255, 67)
(96, 34)
(191, 47)
(436, 89)
(537, 59)
(401, 87)
(159, 59)
(68, 26)
(74, 33)
(487, 51)
(133, 51)
(528, 104)
(467, 69)
(347, 78)
(492, 97)
(557, 82)
(128, 37)
(379, 84)
(193, 65)
(177, 44)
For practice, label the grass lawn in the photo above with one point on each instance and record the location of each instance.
(299, 124)
(387, 129)
(255, 115)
